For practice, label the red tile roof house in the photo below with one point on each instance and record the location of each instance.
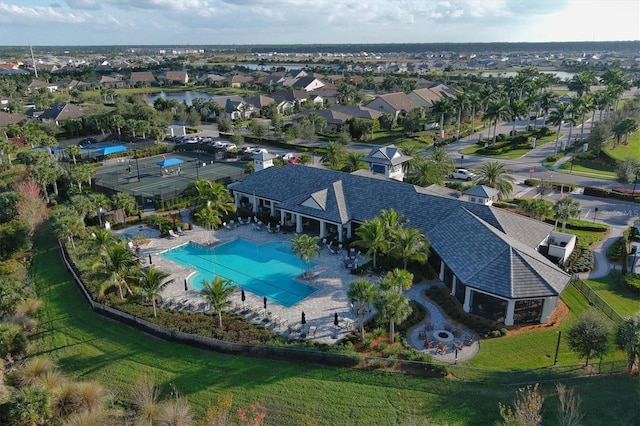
(139, 78)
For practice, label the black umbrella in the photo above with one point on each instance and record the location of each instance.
(335, 319)
(185, 285)
(265, 302)
(304, 318)
(242, 296)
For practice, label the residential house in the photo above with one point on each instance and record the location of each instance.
(236, 109)
(239, 80)
(487, 257)
(211, 79)
(388, 161)
(396, 104)
(176, 77)
(7, 118)
(338, 115)
(307, 84)
(106, 82)
(141, 78)
(34, 85)
(58, 114)
(259, 101)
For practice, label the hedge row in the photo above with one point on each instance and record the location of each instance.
(632, 283)
(607, 193)
(581, 261)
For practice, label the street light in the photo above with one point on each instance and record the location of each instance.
(462, 159)
(555, 359)
(135, 157)
(595, 213)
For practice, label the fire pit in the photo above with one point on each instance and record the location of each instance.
(443, 336)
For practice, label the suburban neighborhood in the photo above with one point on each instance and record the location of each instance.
(206, 234)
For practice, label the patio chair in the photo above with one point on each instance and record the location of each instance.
(322, 243)
(422, 335)
(312, 331)
(172, 234)
(429, 344)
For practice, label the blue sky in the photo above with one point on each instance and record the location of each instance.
(117, 22)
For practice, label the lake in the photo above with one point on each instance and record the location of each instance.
(186, 96)
(562, 75)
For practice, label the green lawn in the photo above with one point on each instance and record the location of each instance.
(511, 154)
(90, 347)
(610, 289)
(588, 169)
(621, 152)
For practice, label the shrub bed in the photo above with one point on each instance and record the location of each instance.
(484, 328)
(614, 252)
(581, 260)
(632, 283)
(624, 195)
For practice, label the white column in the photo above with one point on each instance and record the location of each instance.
(511, 307)
(467, 300)
(340, 228)
(273, 209)
(323, 229)
(299, 223)
(453, 285)
(441, 274)
(549, 305)
(282, 216)
(255, 203)
(349, 230)
(236, 199)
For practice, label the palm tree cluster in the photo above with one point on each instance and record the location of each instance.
(495, 175)
(431, 170)
(212, 202)
(388, 234)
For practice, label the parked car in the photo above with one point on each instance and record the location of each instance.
(463, 174)
(248, 150)
(288, 156)
(230, 146)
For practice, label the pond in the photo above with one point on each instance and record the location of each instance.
(186, 96)
(562, 75)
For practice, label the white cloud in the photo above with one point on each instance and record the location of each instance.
(14, 15)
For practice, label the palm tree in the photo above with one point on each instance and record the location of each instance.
(426, 173)
(118, 267)
(67, 223)
(516, 110)
(73, 151)
(217, 292)
(394, 307)
(372, 238)
(412, 150)
(628, 338)
(354, 162)
(624, 128)
(494, 174)
(581, 83)
(333, 155)
(306, 248)
(475, 101)
(547, 100)
(557, 117)
(410, 244)
(151, 283)
(497, 110)
(125, 202)
(442, 107)
(461, 104)
(398, 279)
(361, 292)
(443, 161)
(208, 217)
(566, 208)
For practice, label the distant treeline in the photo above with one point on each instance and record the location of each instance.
(412, 48)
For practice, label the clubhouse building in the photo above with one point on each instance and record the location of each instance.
(492, 260)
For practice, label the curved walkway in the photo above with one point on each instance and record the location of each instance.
(439, 319)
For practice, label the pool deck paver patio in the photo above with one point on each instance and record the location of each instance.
(331, 279)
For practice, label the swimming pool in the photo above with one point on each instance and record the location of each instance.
(266, 269)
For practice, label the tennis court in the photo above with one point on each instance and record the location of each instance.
(150, 182)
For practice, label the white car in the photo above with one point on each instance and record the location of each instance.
(288, 156)
(230, 146)
(463, 174)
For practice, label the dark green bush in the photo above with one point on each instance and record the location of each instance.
(614, 252)
(632, 282)
(532, 182)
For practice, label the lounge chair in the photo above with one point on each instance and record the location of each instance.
(172, 234)
(312, 331)
(270, 229)
(322, 243)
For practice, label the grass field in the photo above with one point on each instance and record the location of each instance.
(89, 347)
(610, 289)
(632, 149)
(511, 154)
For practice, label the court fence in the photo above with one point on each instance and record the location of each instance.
(596, 300)
(420, 368)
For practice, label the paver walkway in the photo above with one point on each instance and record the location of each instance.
(439, 319)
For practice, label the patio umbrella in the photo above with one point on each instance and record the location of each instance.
(304, 318)
(264, 301)
(335, 319)
(242, 297)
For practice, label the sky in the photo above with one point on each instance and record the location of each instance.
(226, 22)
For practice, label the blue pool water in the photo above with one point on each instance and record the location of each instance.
(263, 269)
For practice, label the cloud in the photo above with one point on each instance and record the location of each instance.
(13, 15)
(84, 4)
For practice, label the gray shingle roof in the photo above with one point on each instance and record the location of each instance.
(482, 191)
(473, 239)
